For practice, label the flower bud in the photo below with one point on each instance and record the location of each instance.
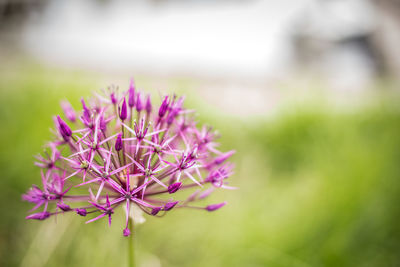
(174, 187)
(131, 97)
(118, 142)
(170, 205)
(86, 111)
(215, 206)
(171, 117)
(39, 216)
(126, 232)
(113, 98)
(65, 131)
(68, 111)
(220, 159)
(206, 193)
(163, 108)
(103, 123)
(123, 112)
(148, 106)
(193, 196)
(81, 212)
(64, 207)
(155, 211)
(139, 104)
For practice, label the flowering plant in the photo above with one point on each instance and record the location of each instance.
(123, 153)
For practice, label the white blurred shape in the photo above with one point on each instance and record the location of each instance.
(242, 38)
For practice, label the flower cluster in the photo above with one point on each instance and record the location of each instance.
(123, 152)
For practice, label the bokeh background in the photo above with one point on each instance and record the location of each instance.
(306, 91)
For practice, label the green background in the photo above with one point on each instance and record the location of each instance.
(319, 184)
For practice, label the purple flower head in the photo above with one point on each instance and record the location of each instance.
(115, 160)
(123, 114)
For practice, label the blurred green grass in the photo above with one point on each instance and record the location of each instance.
(318, 187)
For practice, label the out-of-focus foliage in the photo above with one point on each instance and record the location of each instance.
(317, 188)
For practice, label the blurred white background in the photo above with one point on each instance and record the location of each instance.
(257, 45)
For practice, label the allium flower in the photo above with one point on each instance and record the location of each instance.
(119, 152)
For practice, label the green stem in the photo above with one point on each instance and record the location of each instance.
(131, 245)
